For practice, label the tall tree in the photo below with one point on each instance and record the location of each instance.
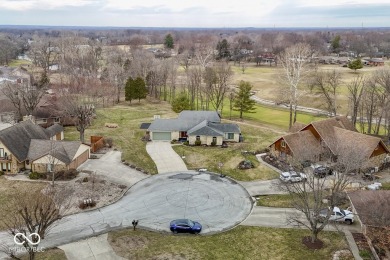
(223, 75)
(168, 41)
(327, 84)
(242, 101)
(130, 90)
(223, 49)
(295, 62)
(355, 92)
(140, 89)
(335, 44)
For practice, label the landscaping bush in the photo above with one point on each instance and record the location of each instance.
(85, 179)
(63, 175)
(37, 175)
(186, 143)
(213, 143)
(1, 173)
(108, 142)
(198, 142)
(173, 141)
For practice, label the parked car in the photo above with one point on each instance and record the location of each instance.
(292, 176)
(322, 171)
(338, 215)
(185, 226)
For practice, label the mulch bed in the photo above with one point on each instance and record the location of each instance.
(318, 244)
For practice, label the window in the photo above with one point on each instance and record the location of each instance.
(56, 120)
(283, 144)
(214, 139)
(1, 152)
(197, 138)
(230, 136)
(44, 120)
(50, 167)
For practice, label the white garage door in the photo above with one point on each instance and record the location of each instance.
(161, 136)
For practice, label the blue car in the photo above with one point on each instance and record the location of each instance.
(185, 225)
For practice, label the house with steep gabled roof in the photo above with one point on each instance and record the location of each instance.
(204, 126)
(325, 139)
(23, 144)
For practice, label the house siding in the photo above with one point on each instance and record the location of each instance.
(205, 140)
(175, 135)
(236, 138)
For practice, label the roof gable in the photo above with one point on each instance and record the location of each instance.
(61, 150)
(199, 116)
(17, 138)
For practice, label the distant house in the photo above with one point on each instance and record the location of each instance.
(323, 139)
(190, 126)
(374, 62)
(29, 146)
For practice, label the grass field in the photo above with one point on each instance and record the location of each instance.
(17, 63)
(51, 254)
(266, 82)
(239, 243)
(10, 188)
(127, 137)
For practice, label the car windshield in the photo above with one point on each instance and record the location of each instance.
(342, 212)
(190, 223)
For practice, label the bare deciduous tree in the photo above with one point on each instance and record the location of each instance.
(355, 89)
(223, 76)
(327, 84)
(33, 213)
(295, 62)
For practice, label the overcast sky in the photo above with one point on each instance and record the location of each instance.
(197, 13)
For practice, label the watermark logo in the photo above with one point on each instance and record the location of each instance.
(27, 238)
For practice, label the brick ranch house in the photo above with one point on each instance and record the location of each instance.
(321, 140)
(27, 146)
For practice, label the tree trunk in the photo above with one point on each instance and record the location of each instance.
(82, 136)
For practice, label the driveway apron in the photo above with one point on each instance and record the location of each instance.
(165, 158)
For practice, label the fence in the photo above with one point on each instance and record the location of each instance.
(97, 142)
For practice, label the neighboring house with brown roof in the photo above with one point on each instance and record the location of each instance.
(28, 146)
(326, 139)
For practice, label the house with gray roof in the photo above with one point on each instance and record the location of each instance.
(29, 146)
(204, 126)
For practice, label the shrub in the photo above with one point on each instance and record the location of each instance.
(85, 179)
(213, 143)
(186, 143)
(1, 173)
(173, 141)
(34, 175)
(198, 142)
(108, 142)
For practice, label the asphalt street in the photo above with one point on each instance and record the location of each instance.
(217, 203)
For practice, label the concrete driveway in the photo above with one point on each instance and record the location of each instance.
(217, 203)
(165, 158)
(110, 166)
(267, 187)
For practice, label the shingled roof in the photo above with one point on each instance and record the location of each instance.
(53, 130)
(298, 142)
(17, 138)
(62, 150)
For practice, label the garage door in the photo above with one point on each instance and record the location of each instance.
(161, 136)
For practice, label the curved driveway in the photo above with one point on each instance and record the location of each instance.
(165, 158)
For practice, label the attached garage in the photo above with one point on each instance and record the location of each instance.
(161, 136)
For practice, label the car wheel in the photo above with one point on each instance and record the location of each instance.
(348, 221)
(174, 231)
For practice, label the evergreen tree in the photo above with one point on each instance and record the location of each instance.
(129, 90)
(140, 89)
(181, 102)
(168, 41)
(223, 49)
(355, 64)
(336, 44)
(243, 102)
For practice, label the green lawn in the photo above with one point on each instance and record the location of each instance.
(255, 138)
(127, 137)
(238, 243)
(276, 200)
(17, 63)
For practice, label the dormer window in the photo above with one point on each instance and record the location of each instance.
(283, 144)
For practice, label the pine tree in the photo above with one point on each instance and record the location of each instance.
(243, 102)
(168, 41)
(355, 64)
(129, 90)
